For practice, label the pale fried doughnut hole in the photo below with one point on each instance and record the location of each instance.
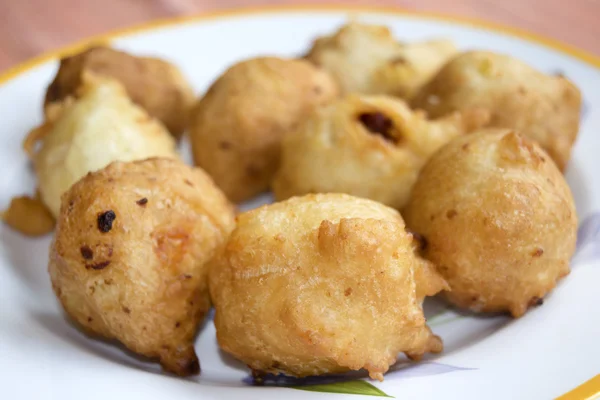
(499, 220)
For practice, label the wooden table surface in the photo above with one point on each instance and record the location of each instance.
(31, 27)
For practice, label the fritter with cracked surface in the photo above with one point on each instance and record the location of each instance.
(366, 146)
(322, 284)
(498, 218)
(129, 258)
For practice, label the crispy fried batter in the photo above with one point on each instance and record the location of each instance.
(28, 216)
(322, 284)
(542, 107)
(367, 146)
(129, 259)
(85, 134)
(367, 59)
(499, 220)
(237, 127)
(154, 84)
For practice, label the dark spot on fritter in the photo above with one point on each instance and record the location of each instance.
(126, 310)
(71, 204)
(177, 324)
(142, 202)
(378, 123)
(348, 292)
(465, 147)
(536, 301)
(317, 90)
(398, 61)
(98, 265)
(86, 252)
(90, 319)
(224, 145)
(191, 367)
(537, 252)
(252, 171)
(105, 220)
(188, 182)
(451, 214)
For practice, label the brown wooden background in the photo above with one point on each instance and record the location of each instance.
(30, 27)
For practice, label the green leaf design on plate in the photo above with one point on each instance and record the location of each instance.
(348, 387)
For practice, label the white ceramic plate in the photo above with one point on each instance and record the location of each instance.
(547, 353)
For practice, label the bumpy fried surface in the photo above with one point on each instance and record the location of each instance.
(129, 257)
(367, 59)
(154, 84)
(238, 125)
(322, 284)
(542, 107)
(102, 125)
(498, 218)
(369, 146)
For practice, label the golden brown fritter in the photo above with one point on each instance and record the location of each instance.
(154, 84)
(368, 146)
(237, 127)
(367, 59)
(85, 134)
(322, 284)
(542, 107)
(129, 259)
(498, 218)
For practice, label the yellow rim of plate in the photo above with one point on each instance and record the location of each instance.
(588, 390)
(572, 51)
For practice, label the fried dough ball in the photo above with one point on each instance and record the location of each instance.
(498, 218)
(542, 107)
(322, 284)
(367, 146)
(367, 59)
(86, 134)
(154, 84)
(129, 259)
(237, 127)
